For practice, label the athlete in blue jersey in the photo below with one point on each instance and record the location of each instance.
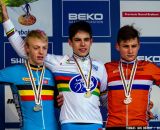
(31, 118)
(33, 86)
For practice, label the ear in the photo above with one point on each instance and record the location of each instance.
(139, 46)
(70, 42)
(117, 46)
(26, 47)
(91, 41)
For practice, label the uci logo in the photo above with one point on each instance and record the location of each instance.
(77, 84)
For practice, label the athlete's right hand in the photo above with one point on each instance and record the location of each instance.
(5, 16)
(60, 99)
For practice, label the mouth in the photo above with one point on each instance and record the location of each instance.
(83, 50)
(40, 57)
(130, 56)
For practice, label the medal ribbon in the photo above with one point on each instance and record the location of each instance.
(128, 87)
(37, 91)
(82, 75)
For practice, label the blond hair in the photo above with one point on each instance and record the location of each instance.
(39, 34)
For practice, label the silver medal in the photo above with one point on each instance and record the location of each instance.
(37, 108)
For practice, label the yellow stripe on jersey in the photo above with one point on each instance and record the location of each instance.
(63, 85)
(30, 92)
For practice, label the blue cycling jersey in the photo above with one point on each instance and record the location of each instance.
(17, 76)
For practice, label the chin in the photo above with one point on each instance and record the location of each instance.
(39, 63)
(84, 54)
(130, 59)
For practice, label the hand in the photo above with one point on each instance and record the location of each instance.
(60, 99)
(149, 113)
(1, 2)
(4, 11)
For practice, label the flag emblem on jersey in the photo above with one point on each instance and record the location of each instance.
(77, 84)
(45, 81)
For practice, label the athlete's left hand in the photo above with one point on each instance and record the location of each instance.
(150, 115)
(60, 99)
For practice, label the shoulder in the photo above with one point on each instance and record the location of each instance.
(146, 63)
(97, 63)
(48, 70)
(14, 67)
(112, 63)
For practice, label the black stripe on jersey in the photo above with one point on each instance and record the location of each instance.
(29, 87)
(61, 81)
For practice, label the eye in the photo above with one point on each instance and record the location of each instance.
(87, 39)
(134, 46)
(77, 39)
(35, 48)
(125, 46)
(45, 48)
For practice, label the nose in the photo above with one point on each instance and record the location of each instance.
(41, 51)
(82, 43)
(130, 50)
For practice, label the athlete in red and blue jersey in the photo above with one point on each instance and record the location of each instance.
(129, 82)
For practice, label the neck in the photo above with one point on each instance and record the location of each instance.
(128, 62)
(34, 66)
(81, 57)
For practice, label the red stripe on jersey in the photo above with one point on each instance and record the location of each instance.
(31, 98)
(62, 78)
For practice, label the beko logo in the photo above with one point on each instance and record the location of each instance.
(85, 16)
(154, 59)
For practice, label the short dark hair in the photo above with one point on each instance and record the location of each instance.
(127, 32)
(79, 26)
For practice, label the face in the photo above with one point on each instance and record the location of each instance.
(128, 49)
(36, 50)
(81, 43)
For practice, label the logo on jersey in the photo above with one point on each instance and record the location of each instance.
(28, 81)
(77, 84)
(45, 81)
(95, 67)
(116, 71)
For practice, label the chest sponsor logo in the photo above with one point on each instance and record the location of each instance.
(77, 84)
(26, 79)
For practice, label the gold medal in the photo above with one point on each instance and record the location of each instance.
(86, 80)
(37, 108)
(88, 94)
